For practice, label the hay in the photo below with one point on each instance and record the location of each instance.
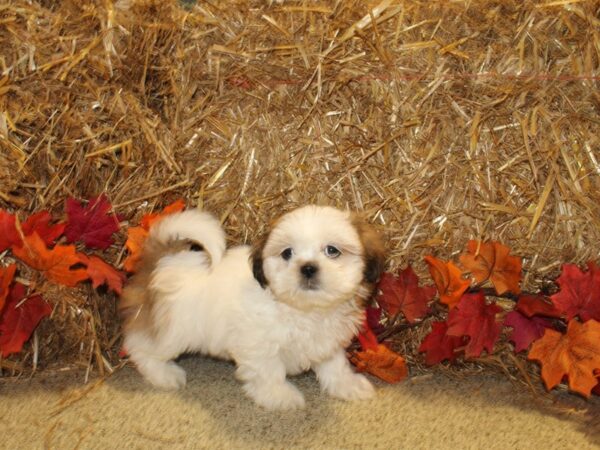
(442, 121)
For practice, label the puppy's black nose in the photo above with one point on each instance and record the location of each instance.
(308, 270)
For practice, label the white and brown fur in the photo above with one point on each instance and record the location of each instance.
(236, 306)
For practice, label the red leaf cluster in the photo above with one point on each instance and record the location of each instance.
(34, 243)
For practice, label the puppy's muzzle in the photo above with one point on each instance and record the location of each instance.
(309, 271)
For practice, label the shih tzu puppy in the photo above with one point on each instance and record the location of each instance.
(290, 304)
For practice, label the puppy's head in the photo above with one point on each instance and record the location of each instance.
(318, 257)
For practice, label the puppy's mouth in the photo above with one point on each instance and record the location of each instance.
(309, 284)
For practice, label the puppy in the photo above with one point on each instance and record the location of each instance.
(291, 304)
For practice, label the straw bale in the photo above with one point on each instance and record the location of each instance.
(442, 121)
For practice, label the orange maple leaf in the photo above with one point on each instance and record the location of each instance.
(448, 280)
(575, 354)
(381, 362)
(6, 276)
(101, 272)
(134, 244)
(137, 235)
(54, 263)
(149, 219)
(491, 260)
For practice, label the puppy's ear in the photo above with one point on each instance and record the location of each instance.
(374, 250)
(257, 261)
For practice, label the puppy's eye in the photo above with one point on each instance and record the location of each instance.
(195, 247)
(332, 252)
(286, 254)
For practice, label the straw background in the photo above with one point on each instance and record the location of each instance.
(441, 121)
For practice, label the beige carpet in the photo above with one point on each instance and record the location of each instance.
(122, 412)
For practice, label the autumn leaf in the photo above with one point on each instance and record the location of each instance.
(439, 346)
(402, 293)
(536, 305)
(579, 293)
(8, 231)
(19, 318)
(474, 318)
(101, 272)
(367, 338)
(40, 223)
(137, 235)
(448, 280)
(525, 330)
(149, 219)
(92, 224)
(381, 362)
(55, 264)
(134, 244)
(575, 354)
(6, 276)
(491, 260)
(374, 319)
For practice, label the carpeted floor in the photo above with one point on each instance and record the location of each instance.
(57, 411)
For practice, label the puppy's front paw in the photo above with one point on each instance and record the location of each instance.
(166, 375)
(279, 396)
(352, 387)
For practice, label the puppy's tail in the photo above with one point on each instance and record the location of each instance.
(200, 230)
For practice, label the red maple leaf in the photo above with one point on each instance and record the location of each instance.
(19, 318)
(439, 346)
(575, 354)
(92, 224)
(6, 276)
(40, 224)
(100, 272)
(8, 231)
(474, 318)
(525, 330)
(579, 293)
(55, 263)
(536, 305)
(381, 362)
(402, 293)
(491, 260)
(448, 280)
(374, 319)
(367, 338)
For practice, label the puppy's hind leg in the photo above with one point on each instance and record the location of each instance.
(156, 366)
(161, 373)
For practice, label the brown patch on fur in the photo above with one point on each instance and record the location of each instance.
(374, 252)
(256, 258)
(138, 300)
